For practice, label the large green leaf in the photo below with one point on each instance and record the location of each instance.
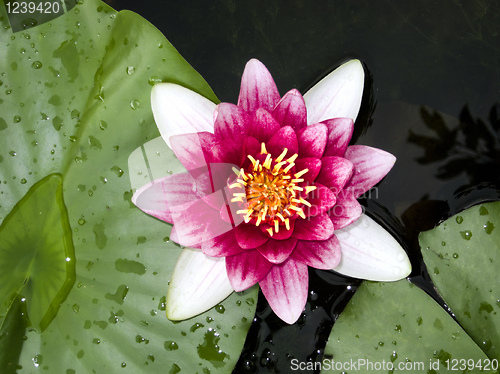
(75, 102)
(463, 257)
(401, 327)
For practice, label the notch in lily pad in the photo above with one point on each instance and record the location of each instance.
(37, 257)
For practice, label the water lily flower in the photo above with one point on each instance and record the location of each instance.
(271, 188)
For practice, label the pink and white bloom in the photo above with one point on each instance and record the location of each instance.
(270, 189)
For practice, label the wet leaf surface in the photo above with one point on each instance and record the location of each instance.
(462, 254)
(74, 104)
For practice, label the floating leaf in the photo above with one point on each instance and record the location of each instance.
(463, 256)
(37, 258)
(396, 326)
(75, 102)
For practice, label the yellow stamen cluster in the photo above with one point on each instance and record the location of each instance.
(272, 194)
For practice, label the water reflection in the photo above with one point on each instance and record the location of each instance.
(472, 146)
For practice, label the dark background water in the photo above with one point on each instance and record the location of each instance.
(431, 98)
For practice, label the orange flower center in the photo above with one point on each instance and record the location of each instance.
(272, 194)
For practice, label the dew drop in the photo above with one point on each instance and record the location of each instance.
(394, 356)
(135, 104)
(130, 70)
(486, 345)
(170, 345)
(162, 305)
(467, 234)
(94, 143)
(488, 227)
(455, 255)
(37, 360)
(459, 219)
(23, 181)
(119, 172)
(154, 80)
(28, 23)
(36, 65)
(483, 211)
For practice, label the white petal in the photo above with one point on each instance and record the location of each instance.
(337, 95)
(199, 282)
(370, 252)
(178, 110)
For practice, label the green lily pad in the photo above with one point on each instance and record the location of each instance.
(75, 102)
(399, 326)
(37, 256)
(463, 257)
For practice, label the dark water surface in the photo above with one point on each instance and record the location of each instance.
(431, 98)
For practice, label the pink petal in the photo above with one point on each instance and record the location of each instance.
(321, 199)
(198, 283)
(324, 254)
(190, 149)
(249, 236)
(370, 166)
(205, 188)
(158, 197)
(251, 146)
(291, 110)
(178, 110)
(285, 288)
(246, 268)
(282, 234)
(277, 251)
(258, 89)
(345, 211)
(337, 95)
(226, 151)
(222, 245)
(228, 214)
(310, 163)
(197, 151)
(197, 222)
(313, 228)
(173, 237)
(339, 135)
(335, 173)
(284, 138)
(232, 122)
(312, 140)
(264, 125)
